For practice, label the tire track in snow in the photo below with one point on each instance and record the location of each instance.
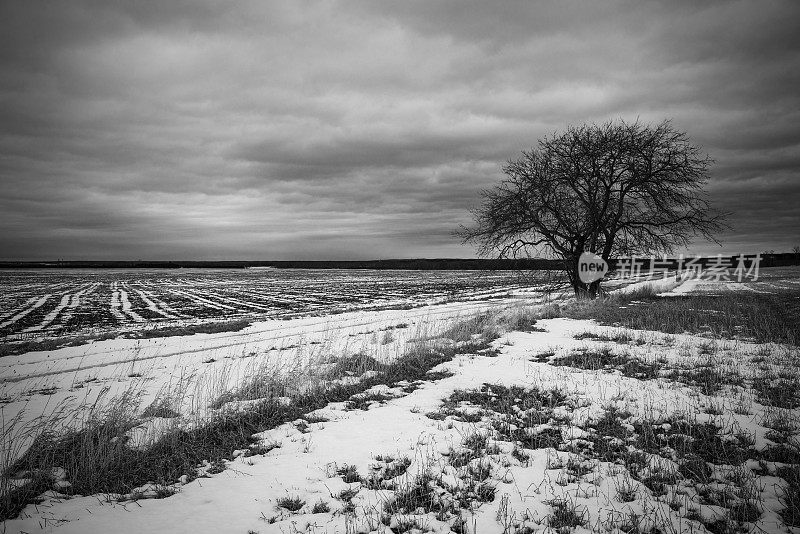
(455, 311)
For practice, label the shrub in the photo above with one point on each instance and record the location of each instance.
(292, 504)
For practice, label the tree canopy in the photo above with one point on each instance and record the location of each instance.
(613, 189)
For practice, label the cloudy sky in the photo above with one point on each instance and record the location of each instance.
(363, 129)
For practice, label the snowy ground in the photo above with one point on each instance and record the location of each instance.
(70, 302)
(246, 496)
(69, 384)
(493, 459)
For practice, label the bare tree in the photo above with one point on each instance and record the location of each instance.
(613, 189)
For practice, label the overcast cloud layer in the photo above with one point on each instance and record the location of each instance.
(328, 130)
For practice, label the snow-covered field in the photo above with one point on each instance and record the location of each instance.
(78, 301)
(73, 381)
(569, 427)
(201, 367)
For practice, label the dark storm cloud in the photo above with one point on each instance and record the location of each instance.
(363, 129)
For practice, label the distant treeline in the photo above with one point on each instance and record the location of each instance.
(428, 264)
(443, 264)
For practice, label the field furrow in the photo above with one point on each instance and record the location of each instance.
(39, 303)
(161, 310)
(126, 307)
(17, 309)
(197, 298)
(88, 302)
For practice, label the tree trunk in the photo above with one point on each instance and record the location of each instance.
(586, 291)
(594, 289)
(583, 291)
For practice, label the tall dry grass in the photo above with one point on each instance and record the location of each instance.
(746, 315)
(111, 452)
